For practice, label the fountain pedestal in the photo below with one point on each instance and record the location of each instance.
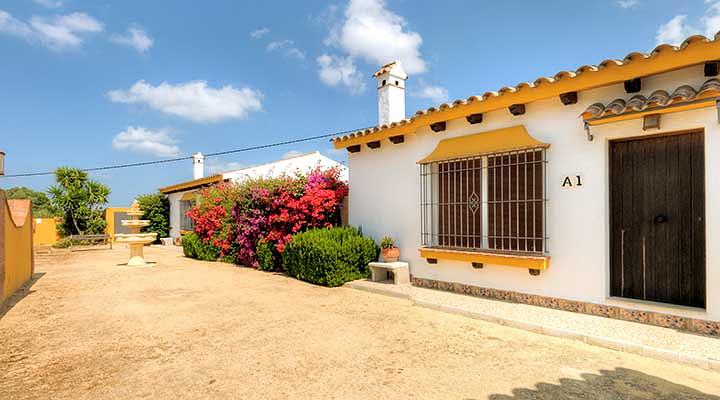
(135, 239)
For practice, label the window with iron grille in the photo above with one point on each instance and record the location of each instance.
(186, 224)
(491, 202)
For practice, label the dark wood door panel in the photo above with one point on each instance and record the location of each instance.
(657, 206)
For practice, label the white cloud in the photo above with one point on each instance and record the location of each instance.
(215, 166)
(59, 33)
(294, 52)
(675, 31)
(291, 154)
(193, 100)
(437, 94)
(272, 46)
(336, 71)
(64, 31)
(711, 20)
(372, 32)
(13, 26)
(678, 28)
(627, 3)
(49, 3)
(287, 47)
(141, 140)
(258, 33)
(135, 38)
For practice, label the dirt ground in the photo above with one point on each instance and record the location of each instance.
(184, 329)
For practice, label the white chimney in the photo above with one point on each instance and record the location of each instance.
(198, 165)
(391, 92)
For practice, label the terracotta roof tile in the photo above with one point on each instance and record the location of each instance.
(542, 81)
(658, 98)
(385, 68)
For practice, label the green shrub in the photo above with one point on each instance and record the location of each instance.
(156, 209)
(189, 244)
(387, 242)
(329, 257)
(194, 247)
(266, 256)
(63, 243)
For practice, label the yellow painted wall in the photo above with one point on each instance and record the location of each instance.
(45, 231)
(16, 258)
(110, 219)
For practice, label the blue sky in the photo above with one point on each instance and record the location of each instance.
(90, 83)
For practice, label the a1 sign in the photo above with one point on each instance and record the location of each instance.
(572, 182)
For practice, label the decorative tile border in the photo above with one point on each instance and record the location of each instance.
(646, 317)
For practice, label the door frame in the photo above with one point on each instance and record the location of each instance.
(609, 210)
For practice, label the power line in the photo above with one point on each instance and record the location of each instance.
(171, 160)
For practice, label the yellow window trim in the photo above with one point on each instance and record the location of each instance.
(496, 141)
(704, 103)
(504, 259)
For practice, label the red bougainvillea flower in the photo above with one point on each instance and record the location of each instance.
(235, 217)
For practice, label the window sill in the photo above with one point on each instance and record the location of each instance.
(508, 259)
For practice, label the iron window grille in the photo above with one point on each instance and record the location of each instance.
(186, 223)
(492, 202)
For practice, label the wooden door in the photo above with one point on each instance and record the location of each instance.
(657, 219)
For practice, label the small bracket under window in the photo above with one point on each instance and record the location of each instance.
(717, 106)
(590, 136)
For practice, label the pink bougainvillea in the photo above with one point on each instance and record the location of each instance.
(236, 217)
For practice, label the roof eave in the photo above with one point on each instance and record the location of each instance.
(664, 58)
(190, 185)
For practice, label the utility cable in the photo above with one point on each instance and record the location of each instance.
(171, 160)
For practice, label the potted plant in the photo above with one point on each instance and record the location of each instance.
(388, 252)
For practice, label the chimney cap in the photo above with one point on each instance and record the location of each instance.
(393, 68)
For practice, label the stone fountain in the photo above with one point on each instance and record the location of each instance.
(135, 239)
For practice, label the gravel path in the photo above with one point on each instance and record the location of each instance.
(184, 329)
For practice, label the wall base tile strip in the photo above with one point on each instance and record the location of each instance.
(645, 317)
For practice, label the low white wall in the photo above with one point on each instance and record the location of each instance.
(385, 192)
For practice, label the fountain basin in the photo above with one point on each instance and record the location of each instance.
(136, 238)
(135, 222)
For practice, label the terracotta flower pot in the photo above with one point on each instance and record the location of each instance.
(390, 255)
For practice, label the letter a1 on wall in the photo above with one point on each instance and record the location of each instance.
(572, 181)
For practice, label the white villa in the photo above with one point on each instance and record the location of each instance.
(594, 191)
(183, 195)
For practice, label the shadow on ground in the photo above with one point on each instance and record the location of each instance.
(20, 294)
(620, 383)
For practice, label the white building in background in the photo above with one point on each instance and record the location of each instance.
(593, 191)
(183, 195)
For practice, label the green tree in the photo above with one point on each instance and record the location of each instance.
(80, 201)
(41, 207)
(156, 208)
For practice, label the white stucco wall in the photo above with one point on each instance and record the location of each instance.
(174, 199)
(385, 190)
